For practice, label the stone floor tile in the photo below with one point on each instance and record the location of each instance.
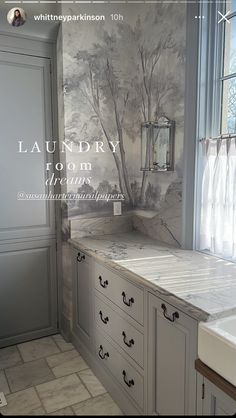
(62, 344)
(36, 349)
(9, 356)
(101, 405)
(91, 382)
(28, 374)
(66, 411)
(66, 363)
(25, 402)
(3, 384)
(62, 392)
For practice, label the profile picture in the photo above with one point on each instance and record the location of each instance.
(16, 17)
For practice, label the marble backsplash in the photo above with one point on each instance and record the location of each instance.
(107, 225)
(153, 227)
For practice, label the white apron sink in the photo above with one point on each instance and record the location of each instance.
(217, 346)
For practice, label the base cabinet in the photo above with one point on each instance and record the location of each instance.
(82, 302)
(141, 348)
(212, 400)
(172, 350)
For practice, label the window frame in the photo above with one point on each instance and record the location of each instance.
(229, 76)
(203, 105)
(209, 121)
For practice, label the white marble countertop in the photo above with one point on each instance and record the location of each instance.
(203, 286)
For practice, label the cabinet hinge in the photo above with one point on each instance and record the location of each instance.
(203, 391)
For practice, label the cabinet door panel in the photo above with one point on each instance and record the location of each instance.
(172, 351)
(28, 302)
(25, 118)
(216, 402)
(170, 368)
(82, 296)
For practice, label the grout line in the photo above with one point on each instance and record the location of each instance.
(83, 383)
(28, 387)
(72, 374)
(19, 354)
(4, 374)
(56, 343)
(92, 396)
(40, 400)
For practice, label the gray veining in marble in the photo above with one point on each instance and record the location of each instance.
(202, 285)
(85, 227)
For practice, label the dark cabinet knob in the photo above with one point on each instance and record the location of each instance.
(128, 302)
(80, 257)
(172, 318)
(102, 355)
(103, 284)
(128, 343)
(130, 382)
(104, 320)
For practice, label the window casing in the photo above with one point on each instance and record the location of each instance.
(217, 87)
(228, 76)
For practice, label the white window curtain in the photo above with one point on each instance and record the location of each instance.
(218, 199)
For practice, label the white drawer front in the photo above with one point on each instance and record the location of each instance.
(127, 376)
(123, 293)
(128, 337)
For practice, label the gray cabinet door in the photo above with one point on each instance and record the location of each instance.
(28, 283)
(25, 116)
(28, 291)
(215, 401)
(82, 309)
(172, 350)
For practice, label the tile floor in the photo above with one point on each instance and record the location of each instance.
(49, 377)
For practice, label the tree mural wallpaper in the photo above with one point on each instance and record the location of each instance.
(115, 77)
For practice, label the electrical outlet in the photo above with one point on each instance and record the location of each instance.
(117, 208)
(3, 401)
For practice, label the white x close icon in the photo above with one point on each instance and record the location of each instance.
(223, 17)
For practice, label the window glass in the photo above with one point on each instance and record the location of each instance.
(229, 106)
(233, 6)
(230, 47)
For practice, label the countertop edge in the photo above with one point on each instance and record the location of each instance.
(188, 308)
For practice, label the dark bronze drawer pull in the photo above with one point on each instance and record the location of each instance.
(175, 315)
(80, 257)
(130, 302)
(129, 383)
(104, 284)
(105, 320)
(130, 343)
(101, 355)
